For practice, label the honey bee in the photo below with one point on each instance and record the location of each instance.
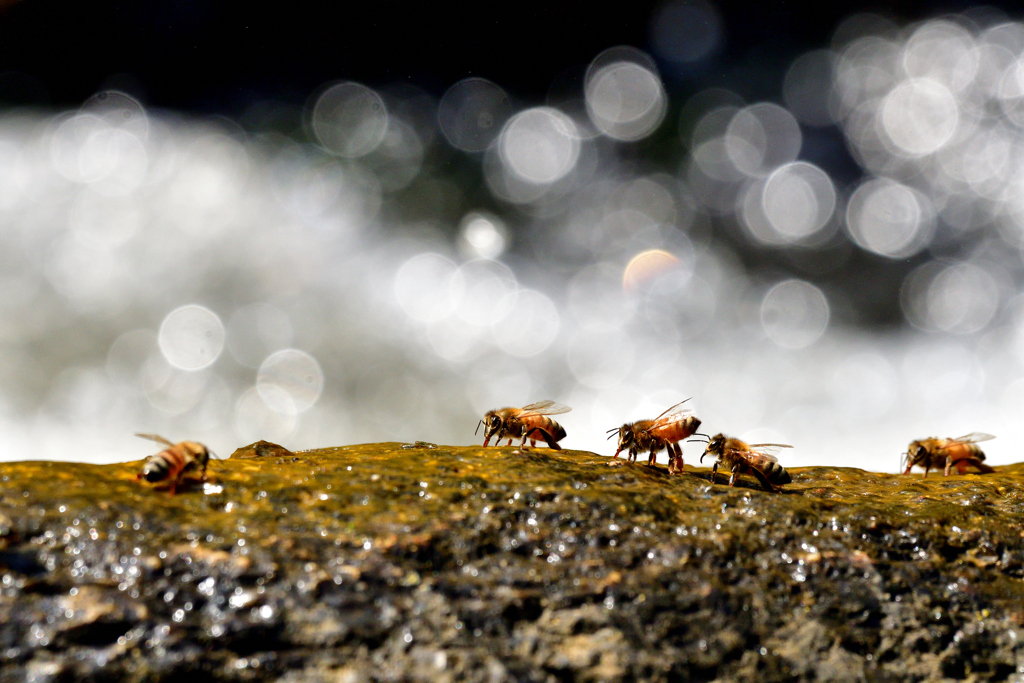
(742, 458)
(663, 432)
(171, 463)
(529, 422)
(960, 453)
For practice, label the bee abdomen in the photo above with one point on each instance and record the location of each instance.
(556, 430)
(777, 474)
(156, 469)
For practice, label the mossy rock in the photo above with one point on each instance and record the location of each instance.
(391, 562)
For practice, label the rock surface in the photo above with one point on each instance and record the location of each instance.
(389, 562)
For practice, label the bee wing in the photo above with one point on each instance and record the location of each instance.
(545, 408)
(671, 415)
(155, 437)
(974, 437)
(756, 455)
(671, 408)
(768, 450)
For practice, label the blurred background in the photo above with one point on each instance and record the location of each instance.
(322, 225)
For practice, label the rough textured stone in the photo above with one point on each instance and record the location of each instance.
(434, 563)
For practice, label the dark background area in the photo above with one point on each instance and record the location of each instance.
(220, 57)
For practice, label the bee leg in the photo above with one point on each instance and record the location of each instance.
(509, 442)
(982, 467)
(714, 472)
(543, 433)
(533, 443)
(764, 481)
(925, 471)
(732, 478)
(949, 463)
(675, 458)
(652, 459)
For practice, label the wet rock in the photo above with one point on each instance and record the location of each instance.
(435, 563)
(261, 449)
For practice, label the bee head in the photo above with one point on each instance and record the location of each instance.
(492, 424)
(199, 452)
(915, 455)
(627, 437)
(716, 445)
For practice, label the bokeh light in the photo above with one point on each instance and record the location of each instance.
(841, 245)
(888, 218)
(290, 381)
(350, 120)
(798, 200)
(919, 116)
(808, 90)
(646, 267)
(472, 113)
(794, 314)
(422, 286)
(257, 330)
(540, 145)
(762, 137)
(191, 337)
(482, 235)
(529, 327)
(685, 32)
(624, 94)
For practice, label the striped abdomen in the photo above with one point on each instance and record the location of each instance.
(959, 450)
(676, 431)
(776, 473)
(772, 471)
(166, 464)
(555, 430)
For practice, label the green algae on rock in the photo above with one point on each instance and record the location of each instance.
(385, 561)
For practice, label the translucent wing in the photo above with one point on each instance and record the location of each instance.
(545, 408)
(768, 450)
(155, 437)
(671, 415)
(974, 437)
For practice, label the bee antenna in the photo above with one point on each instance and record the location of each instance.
(698, 440)
(704, 435)
(477, 430)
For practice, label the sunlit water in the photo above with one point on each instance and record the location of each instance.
(194, 279)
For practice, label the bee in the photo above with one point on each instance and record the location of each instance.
(743, 458)
(529, 422)
(961, 453)
(171, 463)
(663, 432)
